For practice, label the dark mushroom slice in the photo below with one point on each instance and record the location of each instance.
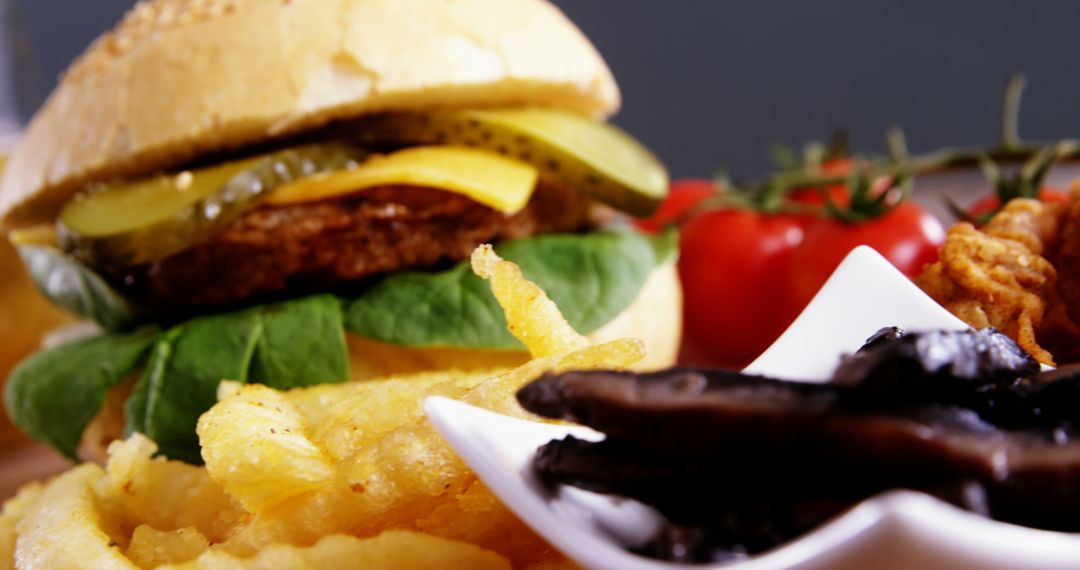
(931, 366)
(739, 463)
(743, 438)
(680, 405)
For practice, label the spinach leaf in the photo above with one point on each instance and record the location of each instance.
(592, 277)
(302, 344)
(135, 406)
(75, 287)
(181, 380)
(54, 394)
(295, 343)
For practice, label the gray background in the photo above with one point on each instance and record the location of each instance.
(707, 82)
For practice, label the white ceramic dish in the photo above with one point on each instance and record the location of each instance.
(901, 529)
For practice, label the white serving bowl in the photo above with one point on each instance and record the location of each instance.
(899, 529)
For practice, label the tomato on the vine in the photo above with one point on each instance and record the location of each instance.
(838, 194)
(908, 236)
(731, 266)
(682, 195)
(746, 274)
(835, 193)
(750, 266)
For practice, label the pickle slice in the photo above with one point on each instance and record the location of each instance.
(499, 182)
(130, 223)
(594, 157)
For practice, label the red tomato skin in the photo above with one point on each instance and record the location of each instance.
(908, 236)
(991, 202)
(731, 266)
(815, 196)
(837, 193)
(682, 195)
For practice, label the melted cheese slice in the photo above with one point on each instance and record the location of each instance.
(502, 183)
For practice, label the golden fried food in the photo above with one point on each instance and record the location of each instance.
(335, 475)
(1031, 222)
(14, 510)
(390, 550)
(1067, 259)
(396, 472)
(1000, 276)
(534, 319)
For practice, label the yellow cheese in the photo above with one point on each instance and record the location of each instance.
(500, 182)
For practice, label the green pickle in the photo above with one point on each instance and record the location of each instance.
(131, 223)
(594, 157)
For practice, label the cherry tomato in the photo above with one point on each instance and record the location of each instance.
(908, 236)
(731, 266)
(992, 203)
(682, 195)
(746, 274)
(837, 193)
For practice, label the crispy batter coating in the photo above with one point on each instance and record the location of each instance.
(1061, 332)
(1067, 259)
(1001, 276)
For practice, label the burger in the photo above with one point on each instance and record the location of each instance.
(286, 192)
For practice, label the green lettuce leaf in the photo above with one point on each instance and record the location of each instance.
(181, 380)
(54, 394)
(75, 287)
(284, 345)
(591, 277)
(302, 344)
(135, 406)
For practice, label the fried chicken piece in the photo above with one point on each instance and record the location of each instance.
(1067, 259)
(1001, 276)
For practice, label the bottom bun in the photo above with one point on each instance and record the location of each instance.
(655, 317)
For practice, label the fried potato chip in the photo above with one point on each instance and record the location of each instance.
(359, 414)
(403, 475)
(68, 527)
(14, 511)
(167, 495)
(498, 393)
(533, 318)
(151, 548)
(477, 516)
(255, 445)
(406, 473)
(391, 550)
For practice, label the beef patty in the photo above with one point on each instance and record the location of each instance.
(316, 245)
